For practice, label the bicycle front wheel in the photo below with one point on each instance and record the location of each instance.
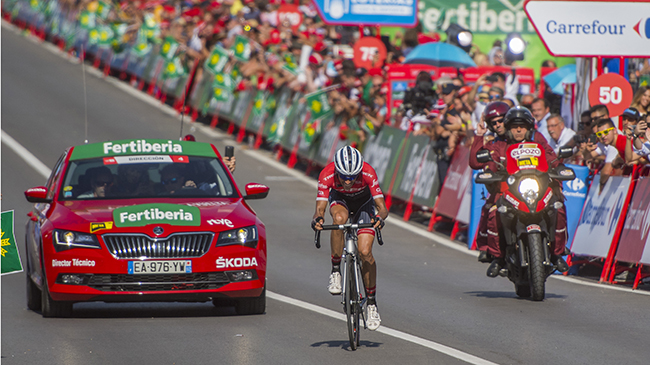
(351, 302)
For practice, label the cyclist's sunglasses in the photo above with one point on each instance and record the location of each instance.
(348, 177)
(602, 134)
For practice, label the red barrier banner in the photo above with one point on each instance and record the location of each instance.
(456, 183)
(600, 216)
(635, 237)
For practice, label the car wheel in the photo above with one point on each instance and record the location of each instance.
(51, 307)
(222, 302)
(33, 295)
(252, 305)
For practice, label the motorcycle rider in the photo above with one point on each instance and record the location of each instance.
(493, 116)
(520, 126)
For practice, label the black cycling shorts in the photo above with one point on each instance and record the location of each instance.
(360, 210)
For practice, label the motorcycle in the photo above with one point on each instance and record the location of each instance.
(527, 209)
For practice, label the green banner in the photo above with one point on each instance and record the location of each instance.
(129, 147)
(242, 48)
(381, 153)
(329, 143)
(217, 60)
(103, 9)
(223, 80)
(290, 64)
(169, 48)
(318, 105)
(87, 20)
(10, 257)
(174, 68)
(144, 214)
(274, 129)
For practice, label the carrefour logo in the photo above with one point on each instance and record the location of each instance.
(642, 28)
(595, 28)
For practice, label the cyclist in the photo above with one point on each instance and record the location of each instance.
(351, 188)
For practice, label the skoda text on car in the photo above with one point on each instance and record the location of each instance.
(144, 220)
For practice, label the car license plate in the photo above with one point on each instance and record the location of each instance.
(160, 267)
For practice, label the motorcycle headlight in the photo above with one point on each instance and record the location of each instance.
(65, 240)
(529, 190)
(246, 236)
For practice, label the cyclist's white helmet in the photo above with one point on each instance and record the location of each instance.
(348, 161)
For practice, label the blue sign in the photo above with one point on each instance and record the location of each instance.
(575, 192)
(479, 195)
(368, 12)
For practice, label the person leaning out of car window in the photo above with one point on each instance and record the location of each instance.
(101, 181)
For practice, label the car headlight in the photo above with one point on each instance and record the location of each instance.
(65, 240)
(529, 190)
(246, 236)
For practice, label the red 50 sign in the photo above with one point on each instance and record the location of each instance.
(290, 15)
(612, 90)
(369, 52)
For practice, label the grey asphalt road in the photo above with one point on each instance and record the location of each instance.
(424, 289)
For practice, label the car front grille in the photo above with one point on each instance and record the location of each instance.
(178, 245)
(165, 282)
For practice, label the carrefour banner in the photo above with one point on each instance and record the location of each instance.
(600, 216)
(636, 231)
(575, 192)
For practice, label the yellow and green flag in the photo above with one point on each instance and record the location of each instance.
(10, 257)
(169, 48)
(221, 94)
(318, 105)
(217, 60)
(174, 68)
(290, 64)
(242, 48)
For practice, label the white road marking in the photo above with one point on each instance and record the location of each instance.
(450, 351)
(23, 153)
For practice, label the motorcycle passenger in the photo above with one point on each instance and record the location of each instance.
(520, 126)
(351, 189)
(493, 116)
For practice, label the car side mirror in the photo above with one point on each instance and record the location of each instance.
(565, 152)
(37, 195)
(483, 156)
(256, 191)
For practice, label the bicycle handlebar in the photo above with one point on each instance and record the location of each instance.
(332, 227)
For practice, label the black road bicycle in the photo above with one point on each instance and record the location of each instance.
(353, 294)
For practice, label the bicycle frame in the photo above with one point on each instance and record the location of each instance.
(351, 249)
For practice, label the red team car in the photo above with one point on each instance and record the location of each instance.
(144, 220)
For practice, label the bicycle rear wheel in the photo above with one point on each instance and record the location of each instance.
(351, 305)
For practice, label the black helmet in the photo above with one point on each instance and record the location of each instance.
(519, 115)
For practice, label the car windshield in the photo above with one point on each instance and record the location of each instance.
(202, 177)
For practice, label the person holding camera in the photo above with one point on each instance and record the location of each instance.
(607, 136)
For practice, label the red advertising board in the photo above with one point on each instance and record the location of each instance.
(637, 225)
(457, 181)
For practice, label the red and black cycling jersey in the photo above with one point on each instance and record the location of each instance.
(366, 184)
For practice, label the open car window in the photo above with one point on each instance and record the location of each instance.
(91, 179)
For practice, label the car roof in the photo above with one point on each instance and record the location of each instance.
(134, 147)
